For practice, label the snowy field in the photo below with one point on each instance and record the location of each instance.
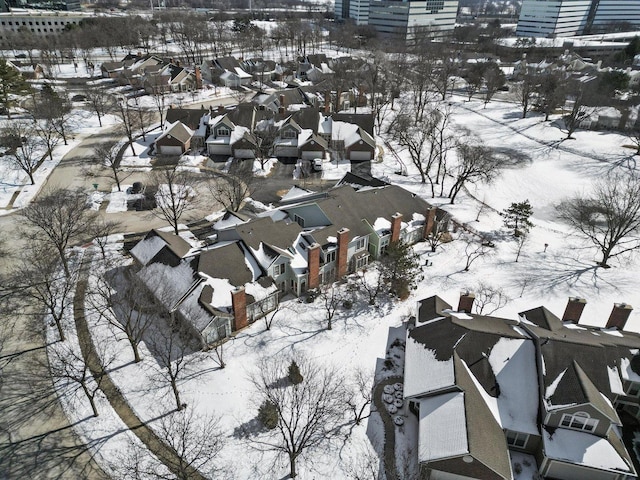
(546, 171)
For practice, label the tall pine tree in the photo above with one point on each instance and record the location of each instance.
(517, 217)
(11, 83)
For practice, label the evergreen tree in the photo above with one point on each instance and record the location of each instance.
(400, 268)
(517, 217)
(294, 375)
(11, 83)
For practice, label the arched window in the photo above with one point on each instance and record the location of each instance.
(579, 421)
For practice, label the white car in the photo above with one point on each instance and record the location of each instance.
(317, 164)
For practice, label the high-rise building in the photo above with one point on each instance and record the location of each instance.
(356, 10)
(564, 18)
(404, 19)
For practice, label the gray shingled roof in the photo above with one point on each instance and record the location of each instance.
(225, 262)
(175, 243)
(280, 234)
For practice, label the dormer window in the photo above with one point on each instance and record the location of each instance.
(289, 133)
(223, 132)
(579, 421)
(362, 242)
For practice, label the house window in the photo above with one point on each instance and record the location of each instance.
(289, 133)
(384, 245)
(298, 220)
(517, 439)
(362, 242)
(633, 390)
(278, 269)
(579, 421)
(330, 256)
(362, 262)
(224, 132)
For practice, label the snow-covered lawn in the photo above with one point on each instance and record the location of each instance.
(554, 265)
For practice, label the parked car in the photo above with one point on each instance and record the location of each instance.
(317, 164)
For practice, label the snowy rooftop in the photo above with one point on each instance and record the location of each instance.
(443, 428)
(583, 449)
(423, 371)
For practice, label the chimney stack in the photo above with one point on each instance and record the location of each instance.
(282, 101)
(220, 109)
(198, 76)
(429, 222)
(574, 309)
(466, 301)
(239, 305)
(313, 263)
(396, 224)
(619, 316)
(343, 246)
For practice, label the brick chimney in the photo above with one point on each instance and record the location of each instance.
(327, 102)
(313, 263)
(343, 246)
(619, 316)
(198, 75)
(429, 222)
(466, 301)
(221, 109)
(396, 224)
(239, 305)
(574, 309)
(282, 101)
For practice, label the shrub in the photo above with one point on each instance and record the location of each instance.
(295, 376)
(268, 415)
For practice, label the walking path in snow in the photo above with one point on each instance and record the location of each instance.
(389, 427)
(161, 450)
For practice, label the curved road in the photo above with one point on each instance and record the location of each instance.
(36, 440)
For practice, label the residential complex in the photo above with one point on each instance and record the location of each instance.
(236, 277)
(406, 19)
(563, 18)
(490, 393)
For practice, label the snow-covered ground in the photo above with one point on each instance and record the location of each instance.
(554, 265)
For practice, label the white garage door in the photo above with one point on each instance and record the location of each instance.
(169, 150)
(219, 149)
(286, 151)
(360, 156)
(244, 153)
(575, 472)
(311, 155)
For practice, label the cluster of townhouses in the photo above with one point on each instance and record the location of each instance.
(311, 240)
(493, 395)
(305, 132)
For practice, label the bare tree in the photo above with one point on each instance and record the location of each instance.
(473, 250)
(175, 358)
(45, 285)
(99, 100)
(521, 241)
(175, 194)
(309, 413)
(265, 138)
(48, 134)
(372, 281)
(60, 217)
(100, 230)
(488, 299)
(67, 364)
(414, 137)
(231, 189)
(475, 163)
(24, 148)
(331, 299)
(524, 92)
(129, 120)
(124, 302)
(439, 234)
(54, 109)
(365, 464)
(197, 441)
(580, 94)
(608, 217)
(361, 395)
(493, 81)
(107, 154)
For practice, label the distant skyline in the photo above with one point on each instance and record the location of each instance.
(563, 18)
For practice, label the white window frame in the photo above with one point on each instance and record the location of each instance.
(362, 262)
(289, 133)
(632, 390)
(579, 421)
(223, 131)
(517, 439)
(361, 243)
(278, 269)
